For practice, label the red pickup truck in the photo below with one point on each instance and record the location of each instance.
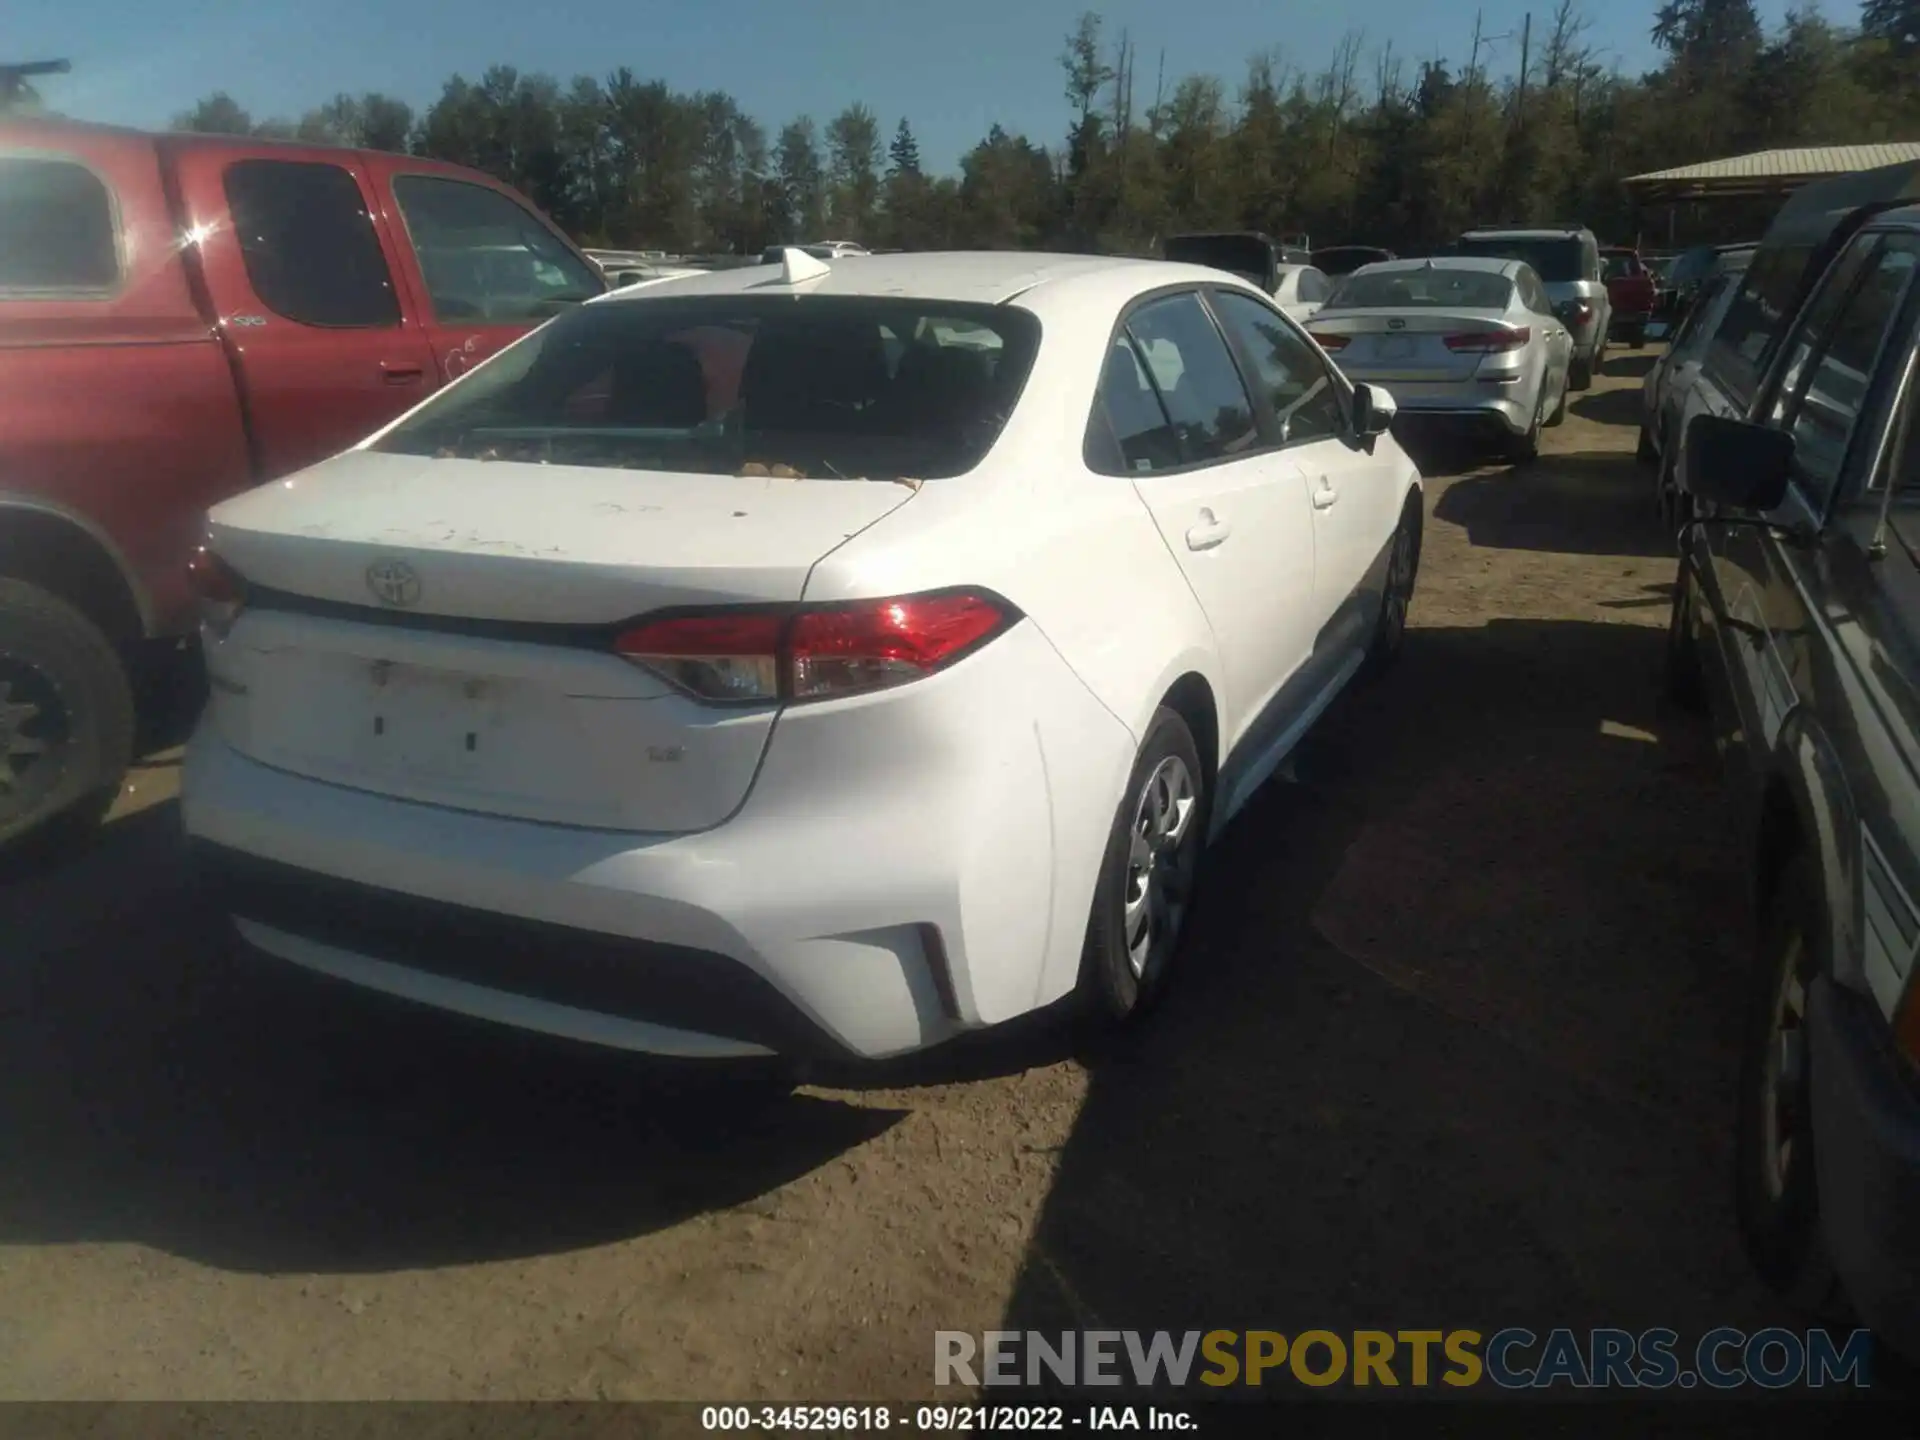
(183, 316)
(1631, 292)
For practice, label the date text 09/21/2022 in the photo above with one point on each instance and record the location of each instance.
(933, 1419)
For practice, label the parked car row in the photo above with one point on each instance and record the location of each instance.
(1782, 423)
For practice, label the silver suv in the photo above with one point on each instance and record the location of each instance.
(1567, 260)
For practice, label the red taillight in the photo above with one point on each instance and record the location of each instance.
(1488, 342)
(1329, 342)
(752, 656)
(219, 587)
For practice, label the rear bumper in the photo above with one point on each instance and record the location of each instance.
(1866, 1136)
(1496, 420)
(907, 866)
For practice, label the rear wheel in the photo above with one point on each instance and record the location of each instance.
(1403, 567)
(1580, 374)
(1774, 1180)
(1145, 890)
(1526, 447)
(1644, 452)
(1637, 337)
(66, 715)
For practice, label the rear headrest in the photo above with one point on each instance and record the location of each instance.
(660, 385)
(807, 377)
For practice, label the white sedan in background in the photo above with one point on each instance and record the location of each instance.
(1300, 290)
(817, 664)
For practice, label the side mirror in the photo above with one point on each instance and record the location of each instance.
(1737, 464)
(624, 278)
(1373, 411)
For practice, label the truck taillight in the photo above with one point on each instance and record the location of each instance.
(220, 588)
(816, 653)
(1488, 342)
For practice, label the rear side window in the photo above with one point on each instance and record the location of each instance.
(485, 258)
(56, 227)
(825, 387)
(1621, 266)
(309, 244)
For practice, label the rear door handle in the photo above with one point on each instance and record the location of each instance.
(402, 374)
(1324, 495)
(1208, 533)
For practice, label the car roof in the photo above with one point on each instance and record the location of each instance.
(1493, 264)
(987, 277)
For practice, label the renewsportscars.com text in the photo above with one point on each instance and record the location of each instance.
(1509, 1359)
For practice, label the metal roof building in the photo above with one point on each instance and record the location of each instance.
(1765, 172)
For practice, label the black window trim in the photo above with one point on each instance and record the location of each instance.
(114, 217)
(518, 201)
(1263, 418)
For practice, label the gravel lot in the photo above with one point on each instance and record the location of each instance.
(1455, 1048)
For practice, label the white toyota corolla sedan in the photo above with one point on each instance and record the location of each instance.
(806, 659)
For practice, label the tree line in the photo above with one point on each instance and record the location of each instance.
(1368, 147)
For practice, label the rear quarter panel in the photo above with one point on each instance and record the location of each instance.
(120, 409)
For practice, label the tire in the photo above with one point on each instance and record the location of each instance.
(66, 715)
(1775, 1192)
(1559, 415)
(1685, 686)
(1644, 452)
(1403, 569)
(1580, 373)
(1142, 901)
(1523, 449)
(1638, 337)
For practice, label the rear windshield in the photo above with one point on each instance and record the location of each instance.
(1436, 289)
(1619, 264)
(815, 387)
(1554, 261)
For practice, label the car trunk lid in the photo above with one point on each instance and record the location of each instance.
(1406, 345)
(419, 629)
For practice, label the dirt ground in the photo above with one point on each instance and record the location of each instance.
(1455, 1048)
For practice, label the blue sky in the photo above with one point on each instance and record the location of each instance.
(951, 68)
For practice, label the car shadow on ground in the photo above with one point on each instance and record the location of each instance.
(1457, 1040)
(1619, 406)
(1595, 503)
(159, 1090)
(1630, 364)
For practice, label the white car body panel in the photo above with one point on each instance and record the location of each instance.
(900, 865)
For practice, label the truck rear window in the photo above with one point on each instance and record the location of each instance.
(815, 387)
(56, 227)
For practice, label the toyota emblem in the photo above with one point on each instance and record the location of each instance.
(393, 582)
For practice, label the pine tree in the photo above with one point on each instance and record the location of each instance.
(903, 155)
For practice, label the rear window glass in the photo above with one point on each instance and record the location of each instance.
(820, 387)
(1618, 266)
(1438, 288)
(56, 227)
(1554, 261)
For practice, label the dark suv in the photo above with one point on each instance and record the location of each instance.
(1798, 606)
